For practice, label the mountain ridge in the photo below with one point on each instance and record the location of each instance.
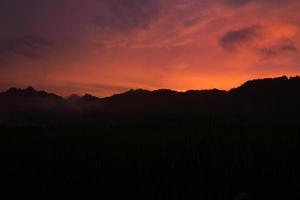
(272, 95)
(250, 83)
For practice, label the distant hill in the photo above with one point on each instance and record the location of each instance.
(29, 92)
(28, 98)
(271, 95)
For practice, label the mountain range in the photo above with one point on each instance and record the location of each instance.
(270, 95)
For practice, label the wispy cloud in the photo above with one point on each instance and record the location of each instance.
(29, 46)
(125, 15)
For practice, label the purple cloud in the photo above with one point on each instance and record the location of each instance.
(283, 46)
(232, 39)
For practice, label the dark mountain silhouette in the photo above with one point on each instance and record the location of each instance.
(82, 102)
(29, 97)
(74, 98)
(271, 95)
(280, 94)
(164, 97)
(29, 92)
(87, 98)
(29, 107)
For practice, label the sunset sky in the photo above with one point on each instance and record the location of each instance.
(110, 46)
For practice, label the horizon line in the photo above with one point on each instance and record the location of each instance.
(30, 87)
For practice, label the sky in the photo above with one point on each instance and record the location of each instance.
(105, 47)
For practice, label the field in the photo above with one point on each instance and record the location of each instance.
(190, 156)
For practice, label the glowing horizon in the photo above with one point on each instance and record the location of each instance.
(103, 47)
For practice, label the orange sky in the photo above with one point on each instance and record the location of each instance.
(109, 46)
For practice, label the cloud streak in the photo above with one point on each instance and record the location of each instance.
(29, 46)
(125, 15)
(271, 3)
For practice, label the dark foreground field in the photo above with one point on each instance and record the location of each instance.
(180, 157)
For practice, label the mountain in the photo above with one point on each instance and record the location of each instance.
(271, 95)
(29, 92)
(87, 98)
(164, 99)
(280, 94)
(268, 95)
(28, 97)
(30, 107)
